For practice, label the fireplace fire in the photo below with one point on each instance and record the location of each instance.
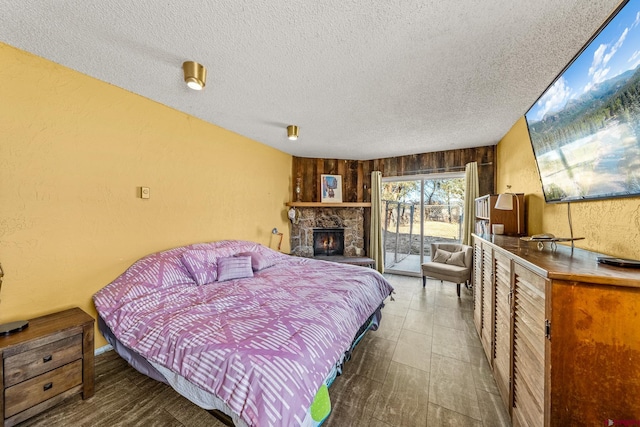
(328, 241)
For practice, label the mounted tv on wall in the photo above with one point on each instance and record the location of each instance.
(585, 128)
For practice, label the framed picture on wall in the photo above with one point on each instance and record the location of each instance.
(331, 186)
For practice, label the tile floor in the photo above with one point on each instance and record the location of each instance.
(425, 366)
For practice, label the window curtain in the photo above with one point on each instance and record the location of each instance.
(376, 244)
(470, 194)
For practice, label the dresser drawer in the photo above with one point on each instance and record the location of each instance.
(41, 359)
(35, 390)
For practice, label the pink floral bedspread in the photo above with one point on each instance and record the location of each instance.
(262, 344)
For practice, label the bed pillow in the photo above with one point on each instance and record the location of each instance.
(201, 264)
(456, 258)
(258, 260)
(441, 256)
(234, 267)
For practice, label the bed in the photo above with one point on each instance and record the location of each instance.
(242, 329)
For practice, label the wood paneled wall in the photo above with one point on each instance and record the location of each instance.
(356, 174)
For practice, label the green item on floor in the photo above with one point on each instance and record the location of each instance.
(321, 406)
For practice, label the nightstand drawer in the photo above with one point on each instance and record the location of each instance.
(41, 359)
(43, 387)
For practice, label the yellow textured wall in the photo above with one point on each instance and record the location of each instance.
(73, 152)
(610, 226)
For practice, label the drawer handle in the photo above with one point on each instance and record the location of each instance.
(46, 359)
(47, 386)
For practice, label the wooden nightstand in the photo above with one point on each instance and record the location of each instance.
(46, 363)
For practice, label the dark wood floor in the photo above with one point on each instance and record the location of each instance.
(424, 367)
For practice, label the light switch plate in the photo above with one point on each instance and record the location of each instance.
(145, 193)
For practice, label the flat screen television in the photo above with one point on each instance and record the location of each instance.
(585, 127)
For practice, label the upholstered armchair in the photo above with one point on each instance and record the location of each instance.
(449, 261)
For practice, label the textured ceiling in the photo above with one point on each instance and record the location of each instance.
(362, 79)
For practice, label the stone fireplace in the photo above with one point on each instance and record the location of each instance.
(328, 241)
(348, 219)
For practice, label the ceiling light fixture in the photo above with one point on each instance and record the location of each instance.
(195, 75)
(292, 132)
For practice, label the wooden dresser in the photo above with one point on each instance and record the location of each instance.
(561, 332)
(46, 363)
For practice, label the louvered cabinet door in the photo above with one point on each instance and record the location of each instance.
(528, 348)
(477, 286)
(487, 301)
(502, 325)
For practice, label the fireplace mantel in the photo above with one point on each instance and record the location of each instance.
(329, 205)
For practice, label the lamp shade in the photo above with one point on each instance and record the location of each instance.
(195, 75)
(505, 202)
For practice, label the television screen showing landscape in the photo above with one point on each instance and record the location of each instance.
(584, 128)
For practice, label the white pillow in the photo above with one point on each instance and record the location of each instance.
(456, 258)
(441, 256)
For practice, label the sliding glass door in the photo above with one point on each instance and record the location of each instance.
(417, 211)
